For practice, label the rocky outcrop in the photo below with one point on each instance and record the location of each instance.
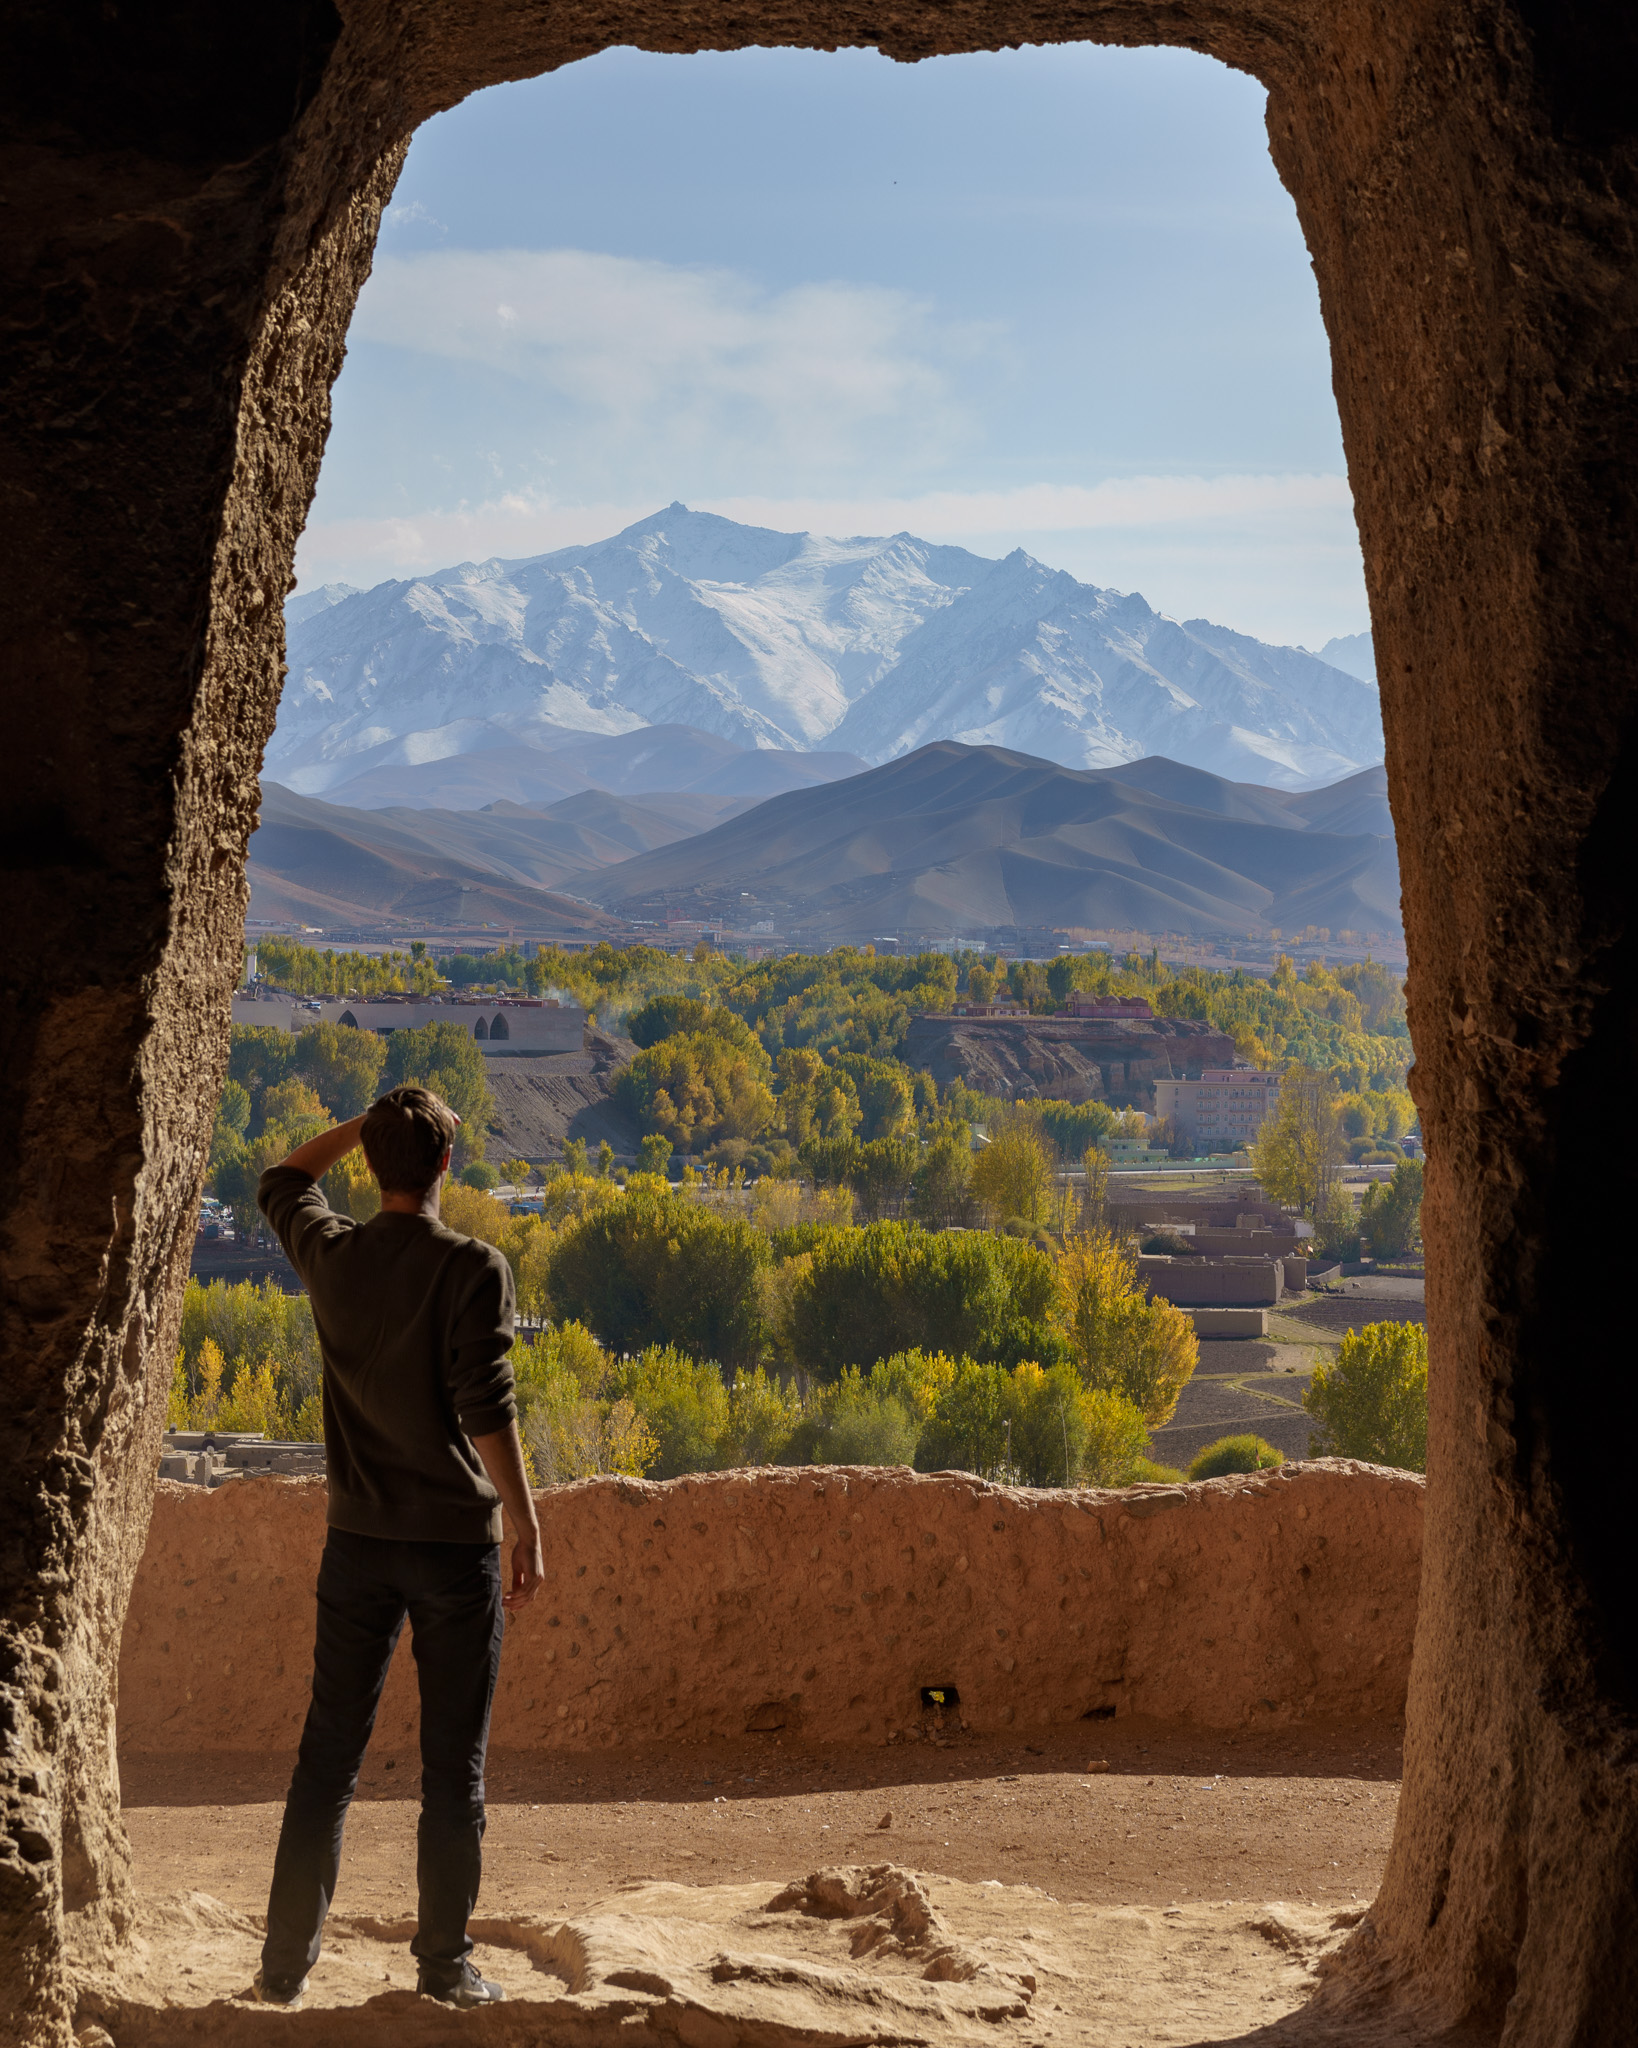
(1064, 1059)
(824, 1601)
(847, 1957)
(540, 1103)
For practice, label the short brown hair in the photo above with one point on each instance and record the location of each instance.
(406, 1135)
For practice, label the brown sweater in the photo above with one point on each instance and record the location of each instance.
(414, 1323)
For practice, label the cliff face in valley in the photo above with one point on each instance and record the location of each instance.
(1066, 1059)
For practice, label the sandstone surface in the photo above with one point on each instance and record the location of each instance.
(193, 200)
(823, 1601)
(846, 1957)
(1064, 1059)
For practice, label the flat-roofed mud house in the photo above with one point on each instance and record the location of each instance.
(505, 1026)
(193, 195)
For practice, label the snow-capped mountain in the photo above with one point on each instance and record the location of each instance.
(797, 642)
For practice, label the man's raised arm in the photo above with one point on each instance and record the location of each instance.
(319, 1154)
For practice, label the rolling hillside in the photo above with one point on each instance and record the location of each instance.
(956, 839)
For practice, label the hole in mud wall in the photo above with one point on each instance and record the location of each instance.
(775, 1717)
(941, 1696)
(1099, 1714)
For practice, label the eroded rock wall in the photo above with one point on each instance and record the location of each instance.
(823, 1601)
(192, 197)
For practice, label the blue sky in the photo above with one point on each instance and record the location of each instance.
(1053, 298)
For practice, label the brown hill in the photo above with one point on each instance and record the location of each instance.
(969, 840)
(326, 864)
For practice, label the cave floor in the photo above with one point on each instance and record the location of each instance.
(1140, 1897)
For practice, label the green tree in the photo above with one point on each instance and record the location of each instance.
(571, 1424)
(233, 1109)
(815, 1101)
(873, 1418)
(1235, 1454)
(1065, 1433)
(942, 1179)
(257, 1333)
(886, 1093)
(761, 1416)
(1114, 1452)
(1373, 1402)
(445, 1059)
(228, 1151)
(654, 1153)
(968, 1430)
(882, 1174)
(343, 1065)
(656, 1270)
(891, 1287)
(1298, 1152)
(1391, 1213)
(864, 1424)
(684, 1404)
(699, 1088)
(665, 1016)
(259, 1057)
(1073, 1127)
(294, 1102)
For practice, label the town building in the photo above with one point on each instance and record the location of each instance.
(504, 1026)
(1128, 1153)
(1079, 1004)
(1224, 1109)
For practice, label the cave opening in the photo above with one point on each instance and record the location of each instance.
(189, 290)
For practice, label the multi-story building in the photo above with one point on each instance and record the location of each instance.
(505, 1026)
(1224, 1109)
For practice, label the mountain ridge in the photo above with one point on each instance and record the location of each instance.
(795, 643)
(969, 839)
(951, 840)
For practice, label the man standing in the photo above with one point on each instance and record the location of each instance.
(420, 1430)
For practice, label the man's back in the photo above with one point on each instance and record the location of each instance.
(414, 1322)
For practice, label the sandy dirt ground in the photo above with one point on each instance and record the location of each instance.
(1125, 1884)
(1301, 1814)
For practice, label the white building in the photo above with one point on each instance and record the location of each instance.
(1224, 1109)
(505, 1026)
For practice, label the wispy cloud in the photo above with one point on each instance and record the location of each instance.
(1122, 502)
(686, 361)
(528, 523)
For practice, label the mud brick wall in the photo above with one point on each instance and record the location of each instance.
(822, 1601)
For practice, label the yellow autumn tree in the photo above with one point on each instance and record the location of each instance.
(1118, 1339)
(1012, 1176)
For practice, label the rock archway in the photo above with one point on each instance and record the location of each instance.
(193, 196)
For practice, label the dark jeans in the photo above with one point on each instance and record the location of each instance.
(452, 1595)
